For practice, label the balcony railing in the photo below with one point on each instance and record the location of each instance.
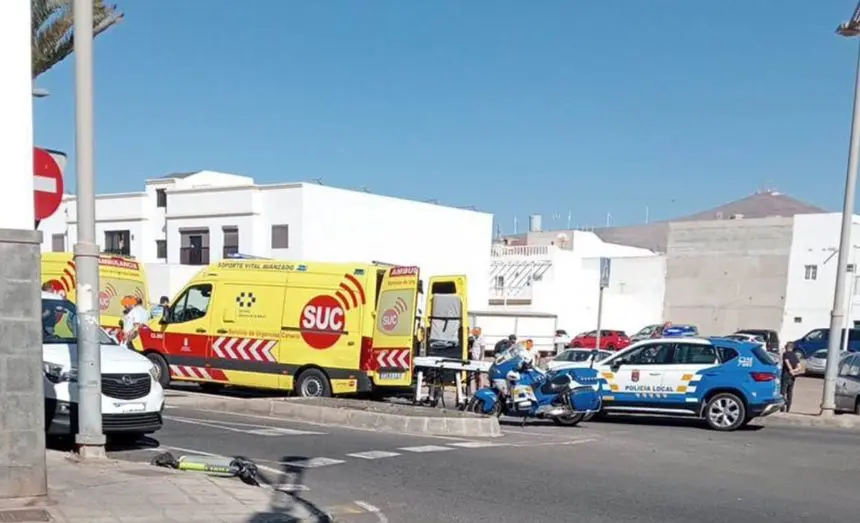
(194, 255)
(520, 250)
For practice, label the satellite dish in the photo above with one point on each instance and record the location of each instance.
(561, 239)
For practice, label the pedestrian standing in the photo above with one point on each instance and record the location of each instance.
(477, 354)
(790, 368)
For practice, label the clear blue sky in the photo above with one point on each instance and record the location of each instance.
(514, 107)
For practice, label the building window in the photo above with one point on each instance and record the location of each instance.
(231, 241)
(810, 272)
(118, 242)
(161, 249)
(852, 267)
(280, 236)
(58, 242)
(161, 198)
(195, 247)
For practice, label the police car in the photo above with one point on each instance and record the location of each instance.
(726, 382)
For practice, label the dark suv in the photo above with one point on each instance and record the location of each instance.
(771, 338)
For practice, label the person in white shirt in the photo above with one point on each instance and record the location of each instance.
(477, 354)
(137, 316)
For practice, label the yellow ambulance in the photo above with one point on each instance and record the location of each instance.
(121, 281)
(318, 329)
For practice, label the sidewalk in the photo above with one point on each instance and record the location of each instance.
(124, 492)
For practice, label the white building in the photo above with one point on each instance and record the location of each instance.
(198, 218)
(771, 273)
(563, 279)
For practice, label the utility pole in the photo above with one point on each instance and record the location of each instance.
(90, 440)
(605, 266)
(828, 400)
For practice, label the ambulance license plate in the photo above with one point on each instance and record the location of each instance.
(128, 408)
(391, 375)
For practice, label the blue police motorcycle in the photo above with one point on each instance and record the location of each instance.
(519, 389)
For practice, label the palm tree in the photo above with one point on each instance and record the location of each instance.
(53, 25)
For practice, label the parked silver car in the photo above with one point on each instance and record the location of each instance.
(816, 363)
(848, 384)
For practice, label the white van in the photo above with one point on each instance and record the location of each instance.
(132, 399)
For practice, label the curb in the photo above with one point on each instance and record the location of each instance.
(298, 409)
(842, 421)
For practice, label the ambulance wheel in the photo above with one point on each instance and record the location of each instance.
(313, 383)
(568, 421)
(162, 371)
(725, 412)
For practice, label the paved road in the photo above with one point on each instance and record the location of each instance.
(618, 471)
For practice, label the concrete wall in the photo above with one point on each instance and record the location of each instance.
(727, 275)
(22, 400)
(809, 300)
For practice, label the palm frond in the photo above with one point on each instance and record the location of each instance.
(53, 38)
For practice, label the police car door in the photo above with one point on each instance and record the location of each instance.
(682, 374)
(635, 378)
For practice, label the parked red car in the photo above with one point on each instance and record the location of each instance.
(609, 340)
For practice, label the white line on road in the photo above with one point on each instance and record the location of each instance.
(426, 448)
(313, 463)
(373, 510)
(257, 430)
(314, 423)
(551, 443)
(476, 444)
(374, 454)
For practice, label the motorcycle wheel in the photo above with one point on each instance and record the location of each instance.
(476, 405)
(569, 421)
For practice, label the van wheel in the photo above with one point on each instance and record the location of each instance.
(313, 383)
(161, 369)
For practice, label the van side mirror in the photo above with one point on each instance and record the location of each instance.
(165, 316)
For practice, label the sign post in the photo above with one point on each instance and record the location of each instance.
(47, 184)
(605, 267)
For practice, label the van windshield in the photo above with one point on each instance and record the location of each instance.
(60, 323)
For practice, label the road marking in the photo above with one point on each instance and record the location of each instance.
(476, 444)
(373, 510)
(313, 463)
(374, 454)
(257, 430)
(551, 443)
(314, 423)
(426, 448)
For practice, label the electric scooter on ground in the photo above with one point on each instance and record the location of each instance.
(519, 389)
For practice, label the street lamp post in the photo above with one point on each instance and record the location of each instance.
(850, 28)
(90, 438)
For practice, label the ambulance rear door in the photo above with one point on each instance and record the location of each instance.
(394, 327)
(446, 317)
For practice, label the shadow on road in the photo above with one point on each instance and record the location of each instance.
(287, 504)
(629, 419)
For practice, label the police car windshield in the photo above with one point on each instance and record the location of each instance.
(60, 323)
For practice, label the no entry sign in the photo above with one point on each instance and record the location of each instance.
(47, 184)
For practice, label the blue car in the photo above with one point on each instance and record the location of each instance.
(817, 339)
(726, 382)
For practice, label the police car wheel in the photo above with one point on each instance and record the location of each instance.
(313, 383)
(725, 412)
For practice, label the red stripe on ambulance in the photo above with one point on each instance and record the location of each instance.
(394, 358)
(245, 349)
